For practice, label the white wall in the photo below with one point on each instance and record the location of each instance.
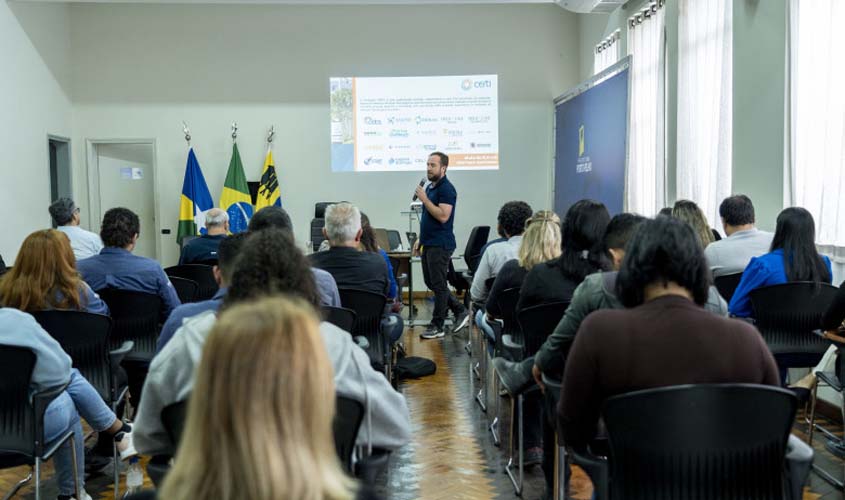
(139, 70)
(33, 104)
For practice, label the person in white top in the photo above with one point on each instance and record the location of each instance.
(84, 243)
(732, 254)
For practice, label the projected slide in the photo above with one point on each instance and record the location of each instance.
(393, 124)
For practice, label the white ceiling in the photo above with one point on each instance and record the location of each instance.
(306, 2)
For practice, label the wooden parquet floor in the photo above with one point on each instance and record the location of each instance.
(451, 455)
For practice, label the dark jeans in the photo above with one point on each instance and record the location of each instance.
(435, 265)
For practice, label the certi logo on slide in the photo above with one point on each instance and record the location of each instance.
(477, 84)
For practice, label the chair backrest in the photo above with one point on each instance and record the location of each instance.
(726, 285)
(173, 419)
(17, 421)
(381, 238)
(347, 421)
(476, 241)
(186, 239)
(340, 317)
(186, 289)
(394, 239)
(368, 307)
(317, 233)
(787, 314)
(395, 263)
(709, 441)
(538, 322)
(508, 300)
(85, 338)
(135, 316)
(202, 274)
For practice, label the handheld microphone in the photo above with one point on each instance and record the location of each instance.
(422, 183)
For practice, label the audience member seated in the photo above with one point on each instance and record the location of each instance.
(582, 254)
(66, 216)
(687, 211)
(203, 250)
(350, 267)
(271, 417)
(116, 267)
(732, 254)
(44, 277)
(664, 280)
(277, 217)
(540, 243)
(369, 243)
(665, 211)
(832, 323)
(53, 369)
(793, 257)
(511, 219)
(227, 252)
(269, 264)
(500, 239)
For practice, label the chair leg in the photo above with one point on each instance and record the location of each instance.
(18, 486)
(116, 473)
(812, 425)
(75, 466)
(520, 464)
(37, 469)
(560, 477)
(494, 425)
(481, 371)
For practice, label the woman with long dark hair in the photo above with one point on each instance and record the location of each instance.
(582, 254)
(793, 257)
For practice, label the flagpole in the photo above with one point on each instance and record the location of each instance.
(234, 131)
(270, 137)
(187, 132)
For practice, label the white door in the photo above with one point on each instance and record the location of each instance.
(125, 179)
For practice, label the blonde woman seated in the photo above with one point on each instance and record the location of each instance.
(272, 437)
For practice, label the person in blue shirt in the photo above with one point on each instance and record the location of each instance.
(45, 277)
(203, 250)
(793, 257)
(436, 244)
(226, 253)
(116, 267)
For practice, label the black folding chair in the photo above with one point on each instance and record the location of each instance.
(726, 285)
(340, 317)
(787, 315)
(709, 441)
(173, 418)
(508, 345)
(85, 338)
(186, 289)
(347, 422)
(22, 439)
(369, 308)
(135, 317)
(203, 275)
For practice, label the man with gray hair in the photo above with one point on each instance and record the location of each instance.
(203, 250)
(351, 267)
(66, 216)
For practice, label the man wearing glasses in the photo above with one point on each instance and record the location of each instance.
(65, 215)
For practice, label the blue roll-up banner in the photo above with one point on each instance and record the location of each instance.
(591, 134)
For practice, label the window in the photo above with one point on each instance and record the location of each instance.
(705, 104)
(816, 172)
(645, 181)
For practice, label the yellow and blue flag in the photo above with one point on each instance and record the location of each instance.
(195, 201)
(235, 199)
(268, 190)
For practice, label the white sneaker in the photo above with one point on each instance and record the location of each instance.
(85, 496)
(125, 447)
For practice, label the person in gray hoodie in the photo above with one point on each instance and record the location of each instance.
(269, 264)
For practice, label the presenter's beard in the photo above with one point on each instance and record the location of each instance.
(433, 177)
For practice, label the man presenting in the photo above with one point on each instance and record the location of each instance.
(436, 244)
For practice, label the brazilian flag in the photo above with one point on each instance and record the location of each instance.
(196, 200)
(268, 189)
(235, 199)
